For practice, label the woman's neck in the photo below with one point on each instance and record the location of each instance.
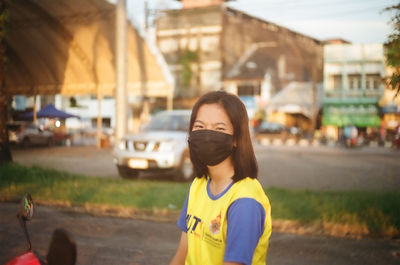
(221, 176)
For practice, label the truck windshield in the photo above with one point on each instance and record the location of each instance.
(168, 122)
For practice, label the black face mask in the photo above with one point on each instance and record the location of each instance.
(210, 147)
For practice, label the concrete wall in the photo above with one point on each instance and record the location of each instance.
(197, 30)
(220, 36)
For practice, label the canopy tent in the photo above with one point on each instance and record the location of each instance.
(49, 111)
(296, 98)
(68, 47)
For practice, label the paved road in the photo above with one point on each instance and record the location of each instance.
(329, 168)
(86, 160)
(318, 168)
(105, 240)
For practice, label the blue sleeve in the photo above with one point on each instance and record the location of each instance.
(245, 220)
(182, 218)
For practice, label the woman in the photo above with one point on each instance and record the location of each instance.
(226, 218)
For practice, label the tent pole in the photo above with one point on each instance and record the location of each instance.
(170, 101)
(99, 119)
(121, 101)
(34, 110)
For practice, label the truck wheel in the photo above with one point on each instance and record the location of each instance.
(185, 170)
(26, 142)
(127, 173)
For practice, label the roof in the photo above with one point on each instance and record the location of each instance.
(336, 41)
(233, 11)
(68, 47)
(296, 98)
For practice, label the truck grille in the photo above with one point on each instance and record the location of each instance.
(139, 146)
(136, 146)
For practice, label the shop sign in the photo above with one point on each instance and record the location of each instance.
(360, 115)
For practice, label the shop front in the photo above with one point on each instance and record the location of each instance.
(362, 115)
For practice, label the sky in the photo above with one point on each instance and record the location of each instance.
(357, 21)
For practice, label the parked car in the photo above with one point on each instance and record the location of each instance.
(159, 146)
(27, 134)
(13, 129)
(273, 130)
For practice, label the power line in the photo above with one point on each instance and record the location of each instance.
(308, 5)
(313, 3)
(329, 14)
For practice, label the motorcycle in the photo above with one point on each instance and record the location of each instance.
(62, 249)
(396, 142)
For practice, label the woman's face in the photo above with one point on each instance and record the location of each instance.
(213, 117)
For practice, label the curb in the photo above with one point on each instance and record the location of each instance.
(314, 143)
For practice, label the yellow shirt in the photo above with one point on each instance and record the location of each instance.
(207, 224)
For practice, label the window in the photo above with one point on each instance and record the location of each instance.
(249, 90)
(354, 81)
(106, 122)
(337, 81)
(373, 81)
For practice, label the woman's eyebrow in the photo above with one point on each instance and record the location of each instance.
(215, 124)
(220, 123)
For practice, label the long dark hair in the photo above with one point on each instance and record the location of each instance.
(244, 160)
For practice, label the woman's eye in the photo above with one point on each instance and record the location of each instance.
(220, 129)
(197, 127)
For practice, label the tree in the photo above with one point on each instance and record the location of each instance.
(186, 60)
(5, 153)
(393, 48)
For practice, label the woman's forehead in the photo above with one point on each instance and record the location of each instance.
(212, 113)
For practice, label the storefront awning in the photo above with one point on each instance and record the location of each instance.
(296, 98)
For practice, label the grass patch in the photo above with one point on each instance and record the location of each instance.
(56, 186)
(375, 213)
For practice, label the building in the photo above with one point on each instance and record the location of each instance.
(352, 87)
(210, 46)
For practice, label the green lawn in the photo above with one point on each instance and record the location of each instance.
(378, 212)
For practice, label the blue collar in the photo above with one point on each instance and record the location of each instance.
(216, 197)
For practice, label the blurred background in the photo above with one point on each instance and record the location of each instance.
(103, 90)
(308, 72)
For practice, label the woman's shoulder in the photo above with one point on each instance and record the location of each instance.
(250, 188)
(198, 183)
(249, 183)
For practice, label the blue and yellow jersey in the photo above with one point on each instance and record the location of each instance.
(232, 226)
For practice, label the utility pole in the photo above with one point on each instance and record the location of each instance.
(146, 15)
(314, 108)
(5, 152)
(144, 115)
(121, 71)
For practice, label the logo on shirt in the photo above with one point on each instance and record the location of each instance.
(192, 223)
(215, 225)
